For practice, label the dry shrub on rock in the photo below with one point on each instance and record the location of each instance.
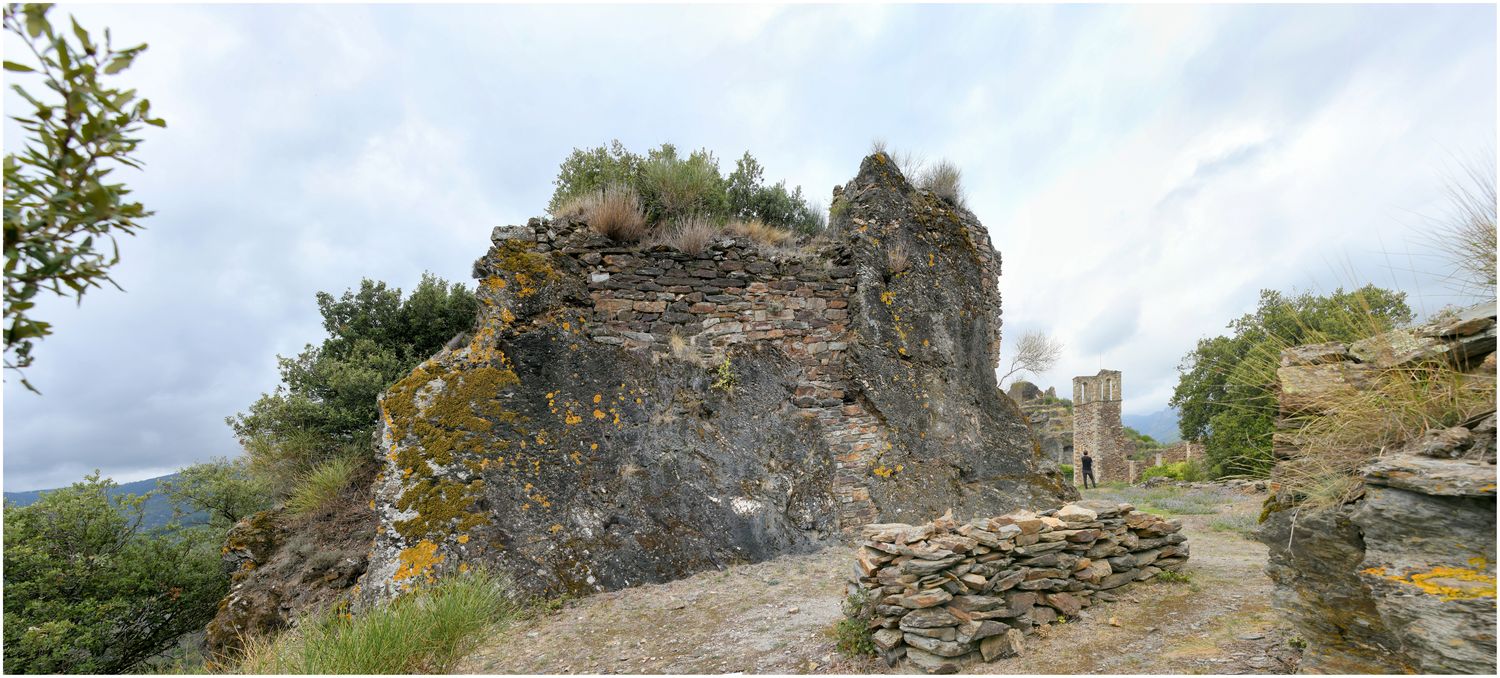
(761, 232)
(614, 211)
(945, 180)
(691, 234)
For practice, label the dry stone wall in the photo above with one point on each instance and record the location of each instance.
(944, 594)
(1402, 578)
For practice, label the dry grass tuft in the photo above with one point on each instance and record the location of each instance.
(945, 180)
(897, 258)
(1354, 428)
(691, 234)
(762, 233)
(1468, 241)
(615, 212)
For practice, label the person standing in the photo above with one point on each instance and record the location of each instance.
(1088, 471)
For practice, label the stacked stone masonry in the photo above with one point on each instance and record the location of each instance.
(673, 303)
(1097, 428)
(943, 595)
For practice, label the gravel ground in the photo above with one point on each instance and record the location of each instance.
(775, 616)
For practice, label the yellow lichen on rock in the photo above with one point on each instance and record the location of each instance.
(417, 561)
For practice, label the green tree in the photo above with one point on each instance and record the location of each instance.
(1226, 389)
(327, 403)
(223, 489)
(87, 590)
(62, 213)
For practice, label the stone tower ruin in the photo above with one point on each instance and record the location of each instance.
(1097, 428)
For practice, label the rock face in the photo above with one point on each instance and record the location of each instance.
(283, 567)
(945, 594)
(630, 414)
(1401, 579)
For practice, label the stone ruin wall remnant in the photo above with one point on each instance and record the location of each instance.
(628, 413)
(1097, 428)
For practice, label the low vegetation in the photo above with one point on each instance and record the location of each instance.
(654, 194)
(1165, 500)
(426, 631)
(1182, 471)
(851, 633)
(323, 484)
(1349, 431)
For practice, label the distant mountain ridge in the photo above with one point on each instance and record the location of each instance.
(158, 507)
(1161, 425)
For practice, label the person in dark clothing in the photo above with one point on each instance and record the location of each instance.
(1088, 471)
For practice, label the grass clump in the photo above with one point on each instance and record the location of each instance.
(323, 484)
(426, 631)
(1344, 433)
(1172, 577)
(614, 211)
(1240, 524)
(691, 234)
(945, 181)
(762, 233)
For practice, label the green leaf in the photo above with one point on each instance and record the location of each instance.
(83, 35)
(19, 68)
(118, 64)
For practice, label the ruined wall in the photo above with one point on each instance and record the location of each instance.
(945, 594)
(1097, 428)
(627, 414)
(1402, 578)
(1051, 421)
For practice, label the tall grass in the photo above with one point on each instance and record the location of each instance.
(427, 631)
(945, 180)
(316, 488)
(691, 234)
(1345, 432)
(761, 232)
(1468, 239)
(672, 187)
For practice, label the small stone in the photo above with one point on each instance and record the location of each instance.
(930, 662)
(929, 598)
(927, 618)
(1073, 513)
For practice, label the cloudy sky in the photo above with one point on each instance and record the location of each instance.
(1143, 171)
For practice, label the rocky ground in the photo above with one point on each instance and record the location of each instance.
(776, 616)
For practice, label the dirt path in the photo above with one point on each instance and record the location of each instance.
(773, 617)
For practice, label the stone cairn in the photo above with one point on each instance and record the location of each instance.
(945, 594)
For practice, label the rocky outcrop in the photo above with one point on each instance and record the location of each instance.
(1401, 579)
(632, 414)
(944, 594)
(283, 567)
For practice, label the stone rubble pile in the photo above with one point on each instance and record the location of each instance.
(945, 594)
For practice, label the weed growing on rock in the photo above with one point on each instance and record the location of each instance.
(1171, 577)
(691, 234)
(724, 378)
(851, 635)
(318, 487)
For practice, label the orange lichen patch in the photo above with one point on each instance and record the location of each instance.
(417, 561)
(883, 471)
(598, 397)
(887, 297)
(507, 316)
(593, 446)
(463, 539)
(599, 414)
(555, 528)
(1448, 583)
(572, 419)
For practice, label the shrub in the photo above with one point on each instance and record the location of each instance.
(586, 172)
(426, 631)
(945, 180)
(1182, 470)
(318, 487)
(1067, 471)
(1173, 577)
(87, 590)
(326, 404)
(690, 234)
(852, 635)
(673, 187)
(615, 211)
